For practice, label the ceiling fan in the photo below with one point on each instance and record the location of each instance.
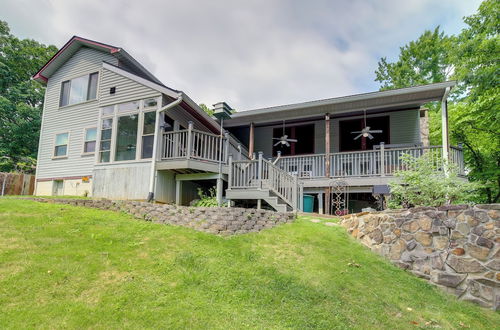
(284, 139)
(366, 131)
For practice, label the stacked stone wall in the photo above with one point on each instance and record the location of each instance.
(456, 247)
(215, 220)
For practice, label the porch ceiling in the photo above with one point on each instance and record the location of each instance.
(390, 100)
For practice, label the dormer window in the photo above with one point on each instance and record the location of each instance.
(78, 90)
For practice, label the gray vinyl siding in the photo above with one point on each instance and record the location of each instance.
(73, 119)
(126, 89)
(404, 128)
(121, 181)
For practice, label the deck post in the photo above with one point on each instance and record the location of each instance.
(239, 151)
(189, 140)
(327, 159)
(230, 172)
(251, 140)
(226, 147)
(259, 170)
(178, 192)
(220, 187)
(444, 130)
(382, 159)
(320, 203)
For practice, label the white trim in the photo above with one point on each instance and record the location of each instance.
(85, 129)
(99, 73)
(54, 145)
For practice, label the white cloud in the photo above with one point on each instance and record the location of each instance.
(250, 54)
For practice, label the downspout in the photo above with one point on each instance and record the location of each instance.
(152, 174)
(444, 129)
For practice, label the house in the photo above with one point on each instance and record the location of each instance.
(111, 129)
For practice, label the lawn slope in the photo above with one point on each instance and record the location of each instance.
(71, 267)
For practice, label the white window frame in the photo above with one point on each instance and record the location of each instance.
(57, 145)
(115, 115)
(85, 141)
(99, 75)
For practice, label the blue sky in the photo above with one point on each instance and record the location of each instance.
(248, 53)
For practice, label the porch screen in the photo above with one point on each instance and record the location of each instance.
(126, 137)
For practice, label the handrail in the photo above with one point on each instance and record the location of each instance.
(281, 183)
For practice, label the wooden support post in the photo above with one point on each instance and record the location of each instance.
(178, 192)
(259, 169)
(220, 187)
(226, 147)
(320, 203)
(189, 140)
(382, 159)
(230, 172)
(444, 130)
(251, 140)
(259, 204)
(327, 161)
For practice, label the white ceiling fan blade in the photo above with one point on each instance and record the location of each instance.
(357, 137)
(277, 139)
(356, 132)
(292, 140)
(376, 131)
(287, 144)
(370, 136)
(277, 143)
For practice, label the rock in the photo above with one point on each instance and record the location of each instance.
(330, 224)
(465, 265)
(494, 214)
(411, 245)
(425, 223)
(484, 242)
(463, 228)
(488, 206)
(452, 207)
(437, 262)
(411, 226)
(315, 220)
(376, 236)
(450, 223)
(478, 230)
(424, 238)
(477, 251)
(494, 264)
(446, 279)
(456, 234)
(397, 232)
(483, 288)
(440, 242)
(396, 249)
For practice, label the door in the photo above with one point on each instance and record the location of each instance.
(57, 187)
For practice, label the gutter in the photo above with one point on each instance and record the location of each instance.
(152, 175)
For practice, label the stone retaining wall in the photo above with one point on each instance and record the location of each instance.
(215, 220)
(455, 247)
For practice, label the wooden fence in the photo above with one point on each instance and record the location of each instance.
(16, 184)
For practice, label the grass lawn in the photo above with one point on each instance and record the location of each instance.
(71, 267)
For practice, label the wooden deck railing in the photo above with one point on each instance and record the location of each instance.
(263, 174)
(195, 144)
(380, 162)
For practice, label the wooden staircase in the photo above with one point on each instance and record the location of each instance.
(262, 180)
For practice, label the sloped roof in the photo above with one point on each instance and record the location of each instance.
(74, 44)
(388, 100)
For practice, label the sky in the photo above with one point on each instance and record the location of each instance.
(248, 53)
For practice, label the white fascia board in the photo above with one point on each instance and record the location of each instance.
(141, 80)
(350, 98)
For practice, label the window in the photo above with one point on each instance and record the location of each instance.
(105, 145)
(90, 140)
(304, 135)
(126, 137)
(61, 147)
(149, 103)
(79, 89)
(148, 132)
(130, 106)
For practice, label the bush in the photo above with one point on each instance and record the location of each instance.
(424, 183)
(207, 200)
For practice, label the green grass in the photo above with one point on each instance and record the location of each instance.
(71, 267)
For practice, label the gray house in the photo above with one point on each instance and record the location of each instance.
(110, 129)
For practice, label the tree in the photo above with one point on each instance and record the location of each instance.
(21, 99)
(472, 58)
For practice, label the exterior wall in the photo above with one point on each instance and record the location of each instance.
(126, 89)
(73, 118)
(404, 128)
(71, 187)
(122, 181)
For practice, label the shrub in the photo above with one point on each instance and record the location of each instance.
(207, 199)
(424, 183)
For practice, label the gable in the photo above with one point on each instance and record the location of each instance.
(126, 89)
